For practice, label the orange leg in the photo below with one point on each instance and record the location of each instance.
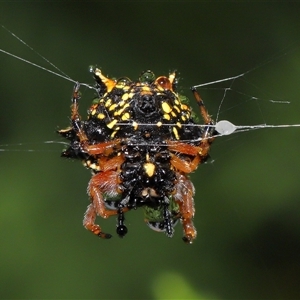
(183, 148)
(111, 164)
(206, 117)
(184, 198)
(184, 165)
(103, 182)
(89, 223)
(106, 181)
(103, 148)
(206, 137)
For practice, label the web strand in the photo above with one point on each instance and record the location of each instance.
(222, 127)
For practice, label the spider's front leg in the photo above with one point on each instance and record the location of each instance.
(76, 118)
(104, 148)
(207, 138)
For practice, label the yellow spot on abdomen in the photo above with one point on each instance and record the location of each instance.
(175, 133)
(166, 107)
(112, 107)
(101, 116)
(107, 102)
(125, 96)
(167, 117)
(125, 117)
(149, 169)
(135, 125)
(112, 124)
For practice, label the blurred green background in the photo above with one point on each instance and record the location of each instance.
(247, 195)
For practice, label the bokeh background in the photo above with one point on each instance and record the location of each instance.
(247, 195)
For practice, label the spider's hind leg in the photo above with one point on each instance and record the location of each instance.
(89, 223)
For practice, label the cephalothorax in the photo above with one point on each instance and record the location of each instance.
(141, 142)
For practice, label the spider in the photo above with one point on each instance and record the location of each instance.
(140, 142)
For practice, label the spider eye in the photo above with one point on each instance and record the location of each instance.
(147, 77)
(163, 82)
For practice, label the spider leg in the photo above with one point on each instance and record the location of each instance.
(75, 116)
(104, 182)
(160, 226)
(208, 131)
(206, 117)
(121, 228)
(102, 148)
(184, 198)
(183, 165)
(89, 223)
(168, 223)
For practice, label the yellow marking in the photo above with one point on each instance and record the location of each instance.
(176, 108)
(93, 112)
(146, 93)
(167, 117)
(178, 124)
(125, 117)
(175, 133)
(109, 83)
(172, 77)
(90, 165)
(112, 107)
(112, 124)
(147, 157)
(113, 134)
(131, 95)
(125, 96)
(183, 118)
(121, 103)
(177, 102)
(135, 125)
(149, 169)
(93, 166)
(184, 107)
(120, 111)
(108, 103)
(166, 107)
(101, 116)
(173, 113)
(158, 124)
(121, 84)
(146, 89)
